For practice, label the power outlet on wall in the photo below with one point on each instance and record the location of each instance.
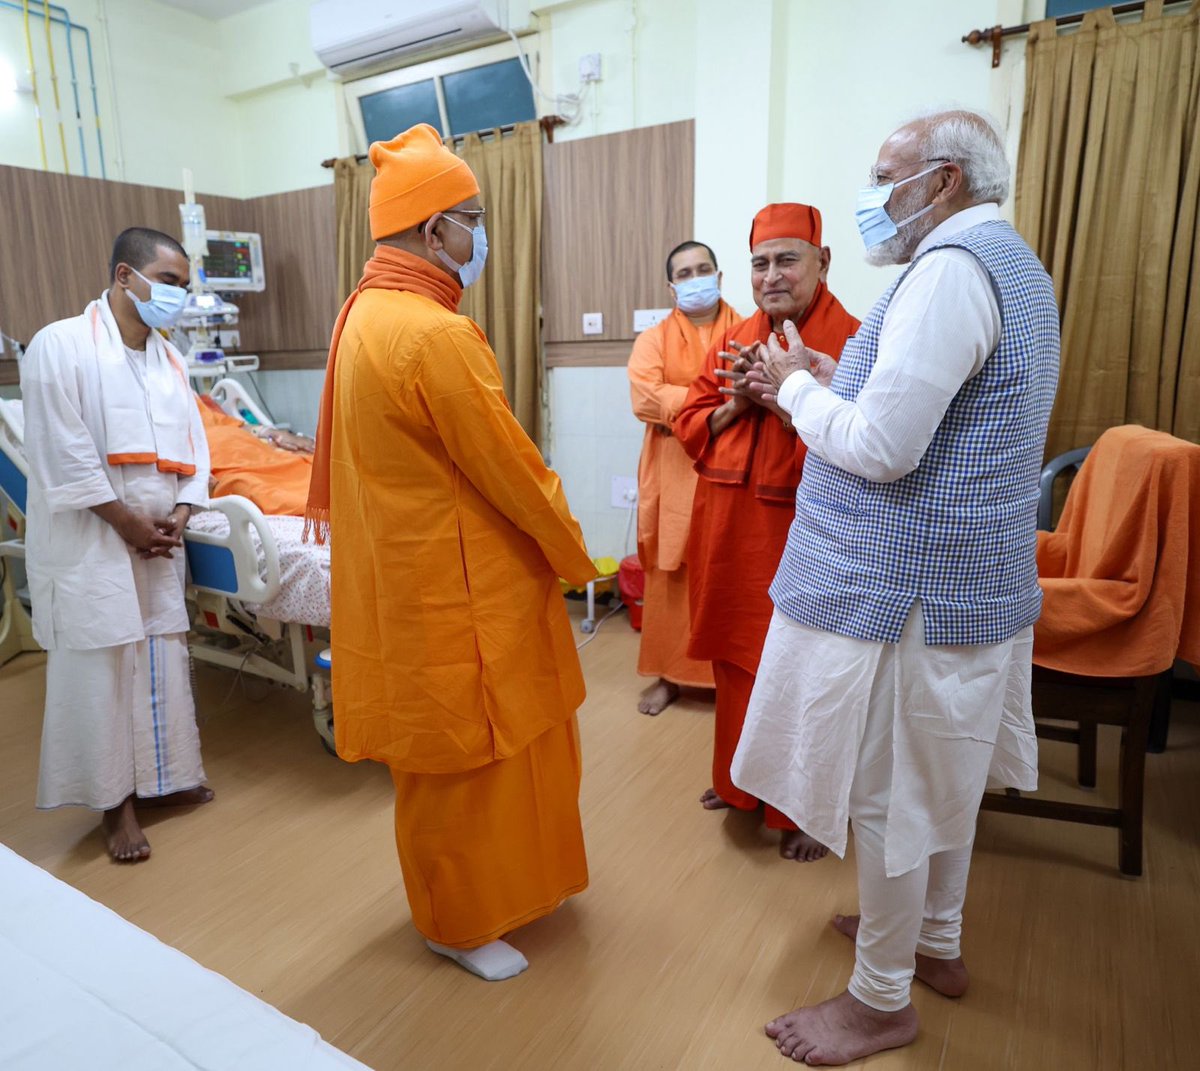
(624, 492)
(593, 323)
(589, 67)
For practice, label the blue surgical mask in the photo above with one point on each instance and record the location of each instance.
(874, 224)
(165, 305)
(698, 294)
(473, 269)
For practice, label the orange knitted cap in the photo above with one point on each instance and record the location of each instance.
(415, 176)
(786, 221)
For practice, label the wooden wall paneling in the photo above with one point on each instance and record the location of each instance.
(613, 207)
(297, 310)
(610, 353)
(56, 235)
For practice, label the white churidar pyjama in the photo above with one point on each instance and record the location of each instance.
(901, 739)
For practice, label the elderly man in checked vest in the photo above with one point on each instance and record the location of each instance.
(895, 678)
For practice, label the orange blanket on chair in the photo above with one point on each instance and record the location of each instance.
(1121, 573)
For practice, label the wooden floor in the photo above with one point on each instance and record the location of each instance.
(692, 934)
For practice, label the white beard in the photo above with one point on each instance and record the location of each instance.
(899, 248)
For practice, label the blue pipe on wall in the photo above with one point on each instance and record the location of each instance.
(63, 18)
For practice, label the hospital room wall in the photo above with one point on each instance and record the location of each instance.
(243, 102)
(791, 101)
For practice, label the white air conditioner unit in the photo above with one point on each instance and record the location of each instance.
(353, 35)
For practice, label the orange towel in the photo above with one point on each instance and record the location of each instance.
(1121, 574)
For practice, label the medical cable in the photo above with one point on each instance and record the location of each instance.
(611, 613)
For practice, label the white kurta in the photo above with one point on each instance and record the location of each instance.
(88, 589)
(119, 714)
(960, 712)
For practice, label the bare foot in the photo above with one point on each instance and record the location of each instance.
(189, 797)
(840, 1031)
(798, 845)
(124, 837)
(946, 976)
(711, 801)
(660, 695)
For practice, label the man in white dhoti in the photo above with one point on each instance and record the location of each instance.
(117, 460)
(896, 672)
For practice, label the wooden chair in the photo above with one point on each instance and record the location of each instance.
(1089, 702)
(1140, 706)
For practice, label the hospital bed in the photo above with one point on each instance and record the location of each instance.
(260, 594)
(16, 628)
(83, 988)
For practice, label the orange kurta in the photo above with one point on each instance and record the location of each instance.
(453, 658)
(275, 480)
(745, 502)
(665, 360)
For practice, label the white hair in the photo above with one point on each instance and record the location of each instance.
(975, 142)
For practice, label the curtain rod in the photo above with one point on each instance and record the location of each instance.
(995, 34)
(546, 122)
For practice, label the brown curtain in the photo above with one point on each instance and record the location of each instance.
(352, 193)
(1107, 188)
(506, 302)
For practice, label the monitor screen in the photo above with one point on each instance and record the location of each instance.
(234, 261)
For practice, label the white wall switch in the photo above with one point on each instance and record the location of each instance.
(646, 318)
(589, 67)
(624, 492)
(593, 323)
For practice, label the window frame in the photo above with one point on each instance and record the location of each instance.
(434, 69)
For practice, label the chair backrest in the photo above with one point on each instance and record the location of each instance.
(1064, 463)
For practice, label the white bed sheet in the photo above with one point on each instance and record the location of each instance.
(80, 987)
(303, 597)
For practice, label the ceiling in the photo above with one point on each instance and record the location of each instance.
(214, 9)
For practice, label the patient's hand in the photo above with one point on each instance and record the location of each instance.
(289, 441)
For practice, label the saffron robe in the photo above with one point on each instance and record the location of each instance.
(453, 658)
(744, 504)
(665, 360)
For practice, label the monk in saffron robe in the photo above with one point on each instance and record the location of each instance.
(750, 459)
(271, 467)
(453, 658)
(665, 360)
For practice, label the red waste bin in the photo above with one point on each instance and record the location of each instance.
(631, 583)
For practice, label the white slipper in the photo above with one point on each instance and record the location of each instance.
(493, 962)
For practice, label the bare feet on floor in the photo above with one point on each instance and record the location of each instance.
(660, 695)
(123, 836)
(189, 797)
(946, 976)
(710, 801)
(798, 845)
(840, 1031)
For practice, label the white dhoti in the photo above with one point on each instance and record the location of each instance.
(902, 739)
(119, 721)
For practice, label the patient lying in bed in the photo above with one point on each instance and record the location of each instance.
(272, 469)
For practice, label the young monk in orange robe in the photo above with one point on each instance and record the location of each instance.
(665, 360)
(750, 460)
(275, 479)
(453, 658)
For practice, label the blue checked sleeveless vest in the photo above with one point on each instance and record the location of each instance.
(958, 532)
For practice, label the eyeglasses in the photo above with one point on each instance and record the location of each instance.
(874, 177)
(474, 213)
